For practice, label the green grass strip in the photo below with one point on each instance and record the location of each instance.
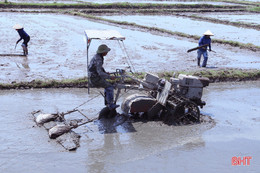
(111, 5)
(254, 9)
(219, 75)
(66, 83)
(215, 75)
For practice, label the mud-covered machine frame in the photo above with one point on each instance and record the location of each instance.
(175, 101)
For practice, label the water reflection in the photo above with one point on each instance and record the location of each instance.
(126, 140)
(118, 124)
(113, 130)
(24, 63)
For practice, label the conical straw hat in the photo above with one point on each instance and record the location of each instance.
(17, 26)
(208, 32)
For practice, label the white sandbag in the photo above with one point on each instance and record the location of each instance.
(58, 130)
(44, 118)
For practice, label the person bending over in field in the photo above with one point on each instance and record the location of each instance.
(23, 36)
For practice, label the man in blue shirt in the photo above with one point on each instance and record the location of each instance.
(204, 40)
(24, 36)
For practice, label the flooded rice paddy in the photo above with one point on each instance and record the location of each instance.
(194, 27)
(137, 147)
(57, 49)
(252, 19)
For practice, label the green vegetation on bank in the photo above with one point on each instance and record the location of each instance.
(215, 75)
(255, 9)
(112, 5)
(67, 83)
(219, 75)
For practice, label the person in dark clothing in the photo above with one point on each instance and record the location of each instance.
(204, 40)
(23, 36)
(98, 75)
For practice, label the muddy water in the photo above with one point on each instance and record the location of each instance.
(252, 19)
(57, 49)
(137, 146)
(194, 27)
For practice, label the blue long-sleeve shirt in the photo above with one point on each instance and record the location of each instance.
(22, 34)
(204, 40)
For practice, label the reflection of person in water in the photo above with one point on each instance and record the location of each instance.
(23, 62)
(23, 36)
(112, 130)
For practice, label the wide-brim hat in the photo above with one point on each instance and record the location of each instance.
(208, 32)
(18, 26)
(103, 49)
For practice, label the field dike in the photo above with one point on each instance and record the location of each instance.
(125, 7)
(215, 75)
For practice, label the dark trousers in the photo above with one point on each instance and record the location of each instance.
(26, 40)
(109, 88)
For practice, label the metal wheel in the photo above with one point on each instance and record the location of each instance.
(187, 112)
(137, 103)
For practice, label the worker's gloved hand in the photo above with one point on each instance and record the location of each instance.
(209, 49)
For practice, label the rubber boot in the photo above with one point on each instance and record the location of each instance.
(198, 62)
(204, 64)
(109, 98)
(24, 49)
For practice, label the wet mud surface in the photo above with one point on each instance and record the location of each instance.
(193, 26)
(57, 49)
(135, 146)
(252, 19)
